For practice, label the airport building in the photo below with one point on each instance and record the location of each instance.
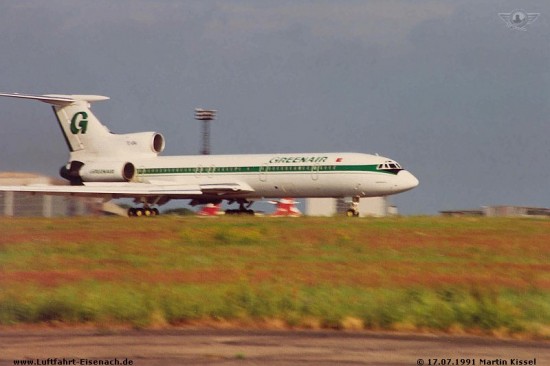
(368, 207)
(35, 205)
(501, 211)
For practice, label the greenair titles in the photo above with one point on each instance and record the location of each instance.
(298, 159)
(102, 171)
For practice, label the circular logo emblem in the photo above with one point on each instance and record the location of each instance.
(519, 18)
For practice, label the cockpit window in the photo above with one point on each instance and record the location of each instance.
(390, 166)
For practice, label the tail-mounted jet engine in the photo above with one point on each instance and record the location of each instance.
(71, 172)
(143, 142)
(78, 172)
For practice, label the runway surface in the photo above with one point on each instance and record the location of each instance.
(260, 347)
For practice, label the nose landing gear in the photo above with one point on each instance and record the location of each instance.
(353, 209)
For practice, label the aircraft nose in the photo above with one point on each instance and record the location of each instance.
(407, 181)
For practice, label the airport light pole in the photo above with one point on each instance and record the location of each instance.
(205, 115)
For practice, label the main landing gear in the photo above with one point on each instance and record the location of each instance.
(353, 210)
(145, 211)
(242, 210)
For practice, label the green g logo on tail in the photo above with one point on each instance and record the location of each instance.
(79, 126)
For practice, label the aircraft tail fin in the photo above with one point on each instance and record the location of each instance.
(81, 129)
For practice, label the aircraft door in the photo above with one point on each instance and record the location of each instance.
(263, 172)
(211, 170)
(198, 171)
(315, 172)
(140, 173)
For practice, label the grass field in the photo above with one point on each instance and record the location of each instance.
(414, 273)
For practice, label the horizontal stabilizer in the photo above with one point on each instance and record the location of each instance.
(57, 99)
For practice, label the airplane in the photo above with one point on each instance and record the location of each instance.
(110, 166)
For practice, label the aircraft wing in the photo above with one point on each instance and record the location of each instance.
(133, 190)
(221, 189)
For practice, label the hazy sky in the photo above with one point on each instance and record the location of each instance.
(443, 87)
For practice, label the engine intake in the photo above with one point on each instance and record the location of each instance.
(71, 172)
(158, 143)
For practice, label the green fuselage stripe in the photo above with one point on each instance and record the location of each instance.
(266, 169)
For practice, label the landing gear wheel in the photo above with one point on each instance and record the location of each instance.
(146, 211)
(243, 209)
(353, 210)
(244, 212)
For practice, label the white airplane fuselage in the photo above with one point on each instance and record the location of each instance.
(282, 175)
